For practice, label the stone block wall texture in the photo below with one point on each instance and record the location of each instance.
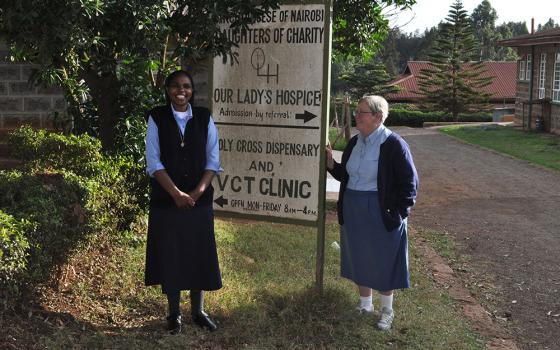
(25, 103)
(22, 103)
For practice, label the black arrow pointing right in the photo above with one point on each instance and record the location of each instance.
(221, 201)
(306, 116)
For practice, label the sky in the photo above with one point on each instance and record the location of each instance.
(428, 13)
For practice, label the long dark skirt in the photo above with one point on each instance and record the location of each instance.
(370, 255)
(181, 249)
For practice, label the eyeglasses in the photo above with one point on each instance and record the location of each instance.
(356, 112)
(176, 86)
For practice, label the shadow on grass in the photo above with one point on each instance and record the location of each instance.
(302, 319)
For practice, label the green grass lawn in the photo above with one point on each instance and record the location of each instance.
(538, 148)
(268, 301)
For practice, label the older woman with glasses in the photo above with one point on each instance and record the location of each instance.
(378, 184)
(182, 157)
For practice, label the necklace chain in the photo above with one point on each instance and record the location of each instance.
(181, 134)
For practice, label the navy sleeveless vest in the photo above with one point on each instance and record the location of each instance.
(185, 165)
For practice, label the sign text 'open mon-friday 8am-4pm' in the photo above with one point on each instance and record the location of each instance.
(268, 108)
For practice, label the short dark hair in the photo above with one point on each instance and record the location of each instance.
(169, 79)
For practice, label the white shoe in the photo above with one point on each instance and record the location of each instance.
(386, 319)
(362, 309)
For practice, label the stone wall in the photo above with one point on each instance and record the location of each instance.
(23, 103)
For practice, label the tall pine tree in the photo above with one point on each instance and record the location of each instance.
(454, 82)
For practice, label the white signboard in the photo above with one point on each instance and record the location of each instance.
(268, 108)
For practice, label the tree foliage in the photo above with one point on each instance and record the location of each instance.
(88, 46)
(550, 24)
(359, 26)
(400, 47)
(483, 20)
(488, 34)
(417, 45)
(368, 78)
(508, 30)
(454, 83)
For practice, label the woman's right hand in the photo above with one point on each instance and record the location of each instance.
(183, 200)
(330, 160)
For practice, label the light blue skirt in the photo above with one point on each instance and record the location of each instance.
(371, 256)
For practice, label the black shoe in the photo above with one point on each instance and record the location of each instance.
(203, 321)
(200, 317)
(174, 324)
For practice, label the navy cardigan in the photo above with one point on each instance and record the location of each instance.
(397, 180)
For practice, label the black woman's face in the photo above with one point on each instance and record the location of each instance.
(180, 91)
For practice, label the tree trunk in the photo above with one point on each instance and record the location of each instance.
(105, 94)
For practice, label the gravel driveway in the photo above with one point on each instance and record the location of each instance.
(504, 215)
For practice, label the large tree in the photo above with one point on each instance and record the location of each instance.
(484, 25)
(453, 82)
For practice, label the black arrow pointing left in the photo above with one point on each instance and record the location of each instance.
(306, 116)
(221, 201)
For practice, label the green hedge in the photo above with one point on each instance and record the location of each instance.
(14, 250)
(51, 202)
(41, 149)
(72, 196)
(409, 115)
(402, 117)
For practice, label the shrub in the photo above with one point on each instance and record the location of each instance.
(80, 155)
(75, 196)
(53, 202)
(43, 149)
(404, 106)
(14, 249)
(401, 117)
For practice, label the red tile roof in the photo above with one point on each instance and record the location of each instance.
(502, 87)
(550, 36)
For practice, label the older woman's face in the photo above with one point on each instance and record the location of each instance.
(366, 120)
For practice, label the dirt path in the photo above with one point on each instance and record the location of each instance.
(504, 214)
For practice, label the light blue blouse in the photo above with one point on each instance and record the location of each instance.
(363, 161)
(153, 161)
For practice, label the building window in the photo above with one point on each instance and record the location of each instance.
(521, 70)
(556, 79)
(542, 76)
(528, 70)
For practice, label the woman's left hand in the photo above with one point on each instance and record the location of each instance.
(195, 194)
(183, 200)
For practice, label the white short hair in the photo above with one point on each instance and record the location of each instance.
(376, 104)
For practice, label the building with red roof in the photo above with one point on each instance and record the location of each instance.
(538, 79)
(502, 88)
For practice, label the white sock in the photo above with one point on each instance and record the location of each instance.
(386, 302)
(366, 303)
